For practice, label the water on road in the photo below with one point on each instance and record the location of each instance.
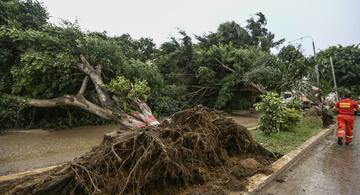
(327, 169)
(23, 150)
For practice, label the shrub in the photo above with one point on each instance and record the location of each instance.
(275, 116)
(295, 104)
(271, 108)
(291, 118)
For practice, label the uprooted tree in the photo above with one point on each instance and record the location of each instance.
(110, 106)
(62, 66)
(198, 146)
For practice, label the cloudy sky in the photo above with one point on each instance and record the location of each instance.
(329, 22)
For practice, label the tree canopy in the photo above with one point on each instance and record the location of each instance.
(346, 62)
(46, 65)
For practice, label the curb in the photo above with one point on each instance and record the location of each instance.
(252, 128)
(13, 176)
(258, 181)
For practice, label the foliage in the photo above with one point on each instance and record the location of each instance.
(22, 14)
(9, 117)
(294, 104)
(205, 75)
(171, 99)
(143, 49)
(271, 109)
(228, 33)
(282, 72)
(223, 68)
(255, 34)
(120, 85)
(260, 36)
(275, 116)
(125, 90)
(346, 61)
(40, 63)
(16, 14)
(139, 90)
(227, 70)
(291, 118)
(175, 59)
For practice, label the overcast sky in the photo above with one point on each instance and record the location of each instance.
(329, 22)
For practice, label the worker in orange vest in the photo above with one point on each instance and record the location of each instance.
(346, 119)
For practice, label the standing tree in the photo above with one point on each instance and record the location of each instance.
(261, 37)
(346, 64)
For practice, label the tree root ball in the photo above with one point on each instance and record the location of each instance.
(196, 147)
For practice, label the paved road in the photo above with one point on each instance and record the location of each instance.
(24, 150)
(328, 169)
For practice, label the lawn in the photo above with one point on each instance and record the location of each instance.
(285, 141)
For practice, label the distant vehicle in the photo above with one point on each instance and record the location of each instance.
(287, 96)
(331, 97)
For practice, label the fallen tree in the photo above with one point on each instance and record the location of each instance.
(66, 67)
(139, 115)
(194, 147)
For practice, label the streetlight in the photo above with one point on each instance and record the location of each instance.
(314, 50)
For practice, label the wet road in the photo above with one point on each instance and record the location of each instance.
(327, 169)
(23, 150)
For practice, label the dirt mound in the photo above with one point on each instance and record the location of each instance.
(196, 147)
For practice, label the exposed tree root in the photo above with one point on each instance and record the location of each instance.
(179, 152)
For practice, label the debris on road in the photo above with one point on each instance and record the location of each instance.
(197, 147)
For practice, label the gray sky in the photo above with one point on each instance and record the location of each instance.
(329, 22)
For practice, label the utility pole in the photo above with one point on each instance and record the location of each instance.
(317, 75)
(316, 64)
(334, 78)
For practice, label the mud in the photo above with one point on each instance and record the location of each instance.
(22, 150)
(247, 120)
(328, 169)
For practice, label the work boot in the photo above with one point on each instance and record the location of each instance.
(340, 141)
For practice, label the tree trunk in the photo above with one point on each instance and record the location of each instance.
(107, 110)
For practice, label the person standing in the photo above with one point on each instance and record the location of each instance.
(346, 109)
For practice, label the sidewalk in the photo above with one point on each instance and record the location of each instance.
(328, 169)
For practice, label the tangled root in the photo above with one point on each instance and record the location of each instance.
(177, 152)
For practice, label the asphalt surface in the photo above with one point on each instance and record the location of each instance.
(23, 150)
(326, 170)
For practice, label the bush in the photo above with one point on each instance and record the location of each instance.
(295, 104)
(171, 98)
(271, 108)
(291, 118)
(275, 116)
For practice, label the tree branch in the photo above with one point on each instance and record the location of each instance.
(258, 87)
(223, 65)
(126, 121)
(83, 86)
(68, 100)
(95, 76)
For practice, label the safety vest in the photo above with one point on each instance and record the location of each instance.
(346, 106)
